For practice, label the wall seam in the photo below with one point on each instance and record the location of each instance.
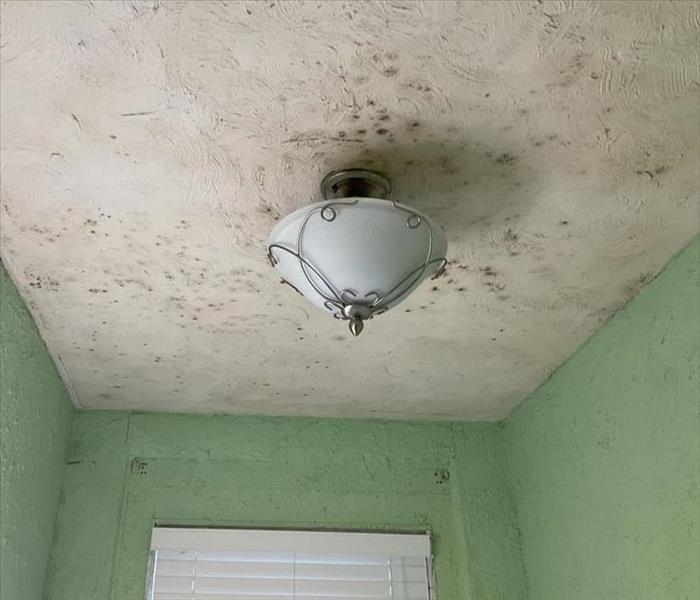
(126, 457)
(510, 490)
(54, 532)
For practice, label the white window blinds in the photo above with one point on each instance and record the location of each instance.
(239, 564)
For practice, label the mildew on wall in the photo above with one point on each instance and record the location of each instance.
(148, 148)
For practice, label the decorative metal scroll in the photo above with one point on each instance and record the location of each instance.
(347, 304)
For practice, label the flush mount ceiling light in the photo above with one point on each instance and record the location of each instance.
(356, 254)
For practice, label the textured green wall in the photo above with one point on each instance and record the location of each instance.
(35, 421)
(604, 463)
(605, 456)
(125, 471)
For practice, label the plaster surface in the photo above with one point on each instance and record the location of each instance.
(605, 457)
(126, 471)
(35, 423)
(148, 148)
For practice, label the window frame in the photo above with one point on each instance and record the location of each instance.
(183, 538)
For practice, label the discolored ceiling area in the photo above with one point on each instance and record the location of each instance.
(148, 148)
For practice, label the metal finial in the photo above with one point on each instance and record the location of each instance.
(356, 326)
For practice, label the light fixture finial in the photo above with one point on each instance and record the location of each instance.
(356, 326)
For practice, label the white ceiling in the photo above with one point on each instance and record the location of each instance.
(148, 149)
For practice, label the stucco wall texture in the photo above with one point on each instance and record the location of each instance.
(590, 490)
(605, 456)
(126, 471)
(35, 421)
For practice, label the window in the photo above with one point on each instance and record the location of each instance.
(241, 564)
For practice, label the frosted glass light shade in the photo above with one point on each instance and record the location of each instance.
(356, 257)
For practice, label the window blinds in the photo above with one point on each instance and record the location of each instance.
(239, 564)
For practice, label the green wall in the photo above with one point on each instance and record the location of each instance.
(126, 471)
(35, 421)
(596, 475)
(605, 456)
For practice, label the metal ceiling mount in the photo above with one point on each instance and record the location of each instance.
(355, 183)
(355, 189)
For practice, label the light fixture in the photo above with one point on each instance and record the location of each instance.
(356, 254)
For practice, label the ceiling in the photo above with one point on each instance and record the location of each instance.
(149, 147)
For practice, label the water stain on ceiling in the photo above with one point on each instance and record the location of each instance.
(149, 147)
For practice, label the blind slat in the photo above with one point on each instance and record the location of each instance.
(358, 572)
(330, 572)
(327, 589)
(264, 570)
(236, 597)
(225, 585)
(258, 597)
(287, 557)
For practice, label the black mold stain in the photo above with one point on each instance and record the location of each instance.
(430, 174)
(418, 86)
(505, 158)
(651, 174)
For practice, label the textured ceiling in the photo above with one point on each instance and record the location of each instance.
(149, 148)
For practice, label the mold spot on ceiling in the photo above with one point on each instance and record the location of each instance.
(149, 148)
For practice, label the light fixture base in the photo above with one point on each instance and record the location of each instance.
(355, 183)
